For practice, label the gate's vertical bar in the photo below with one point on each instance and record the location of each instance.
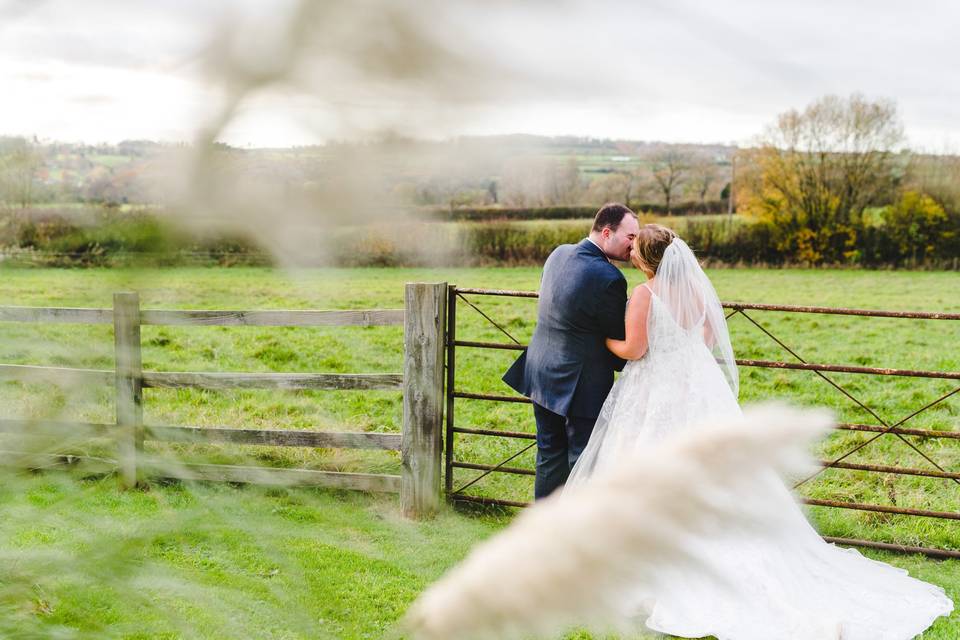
(451, 381)
(421, 450)
(129, 383)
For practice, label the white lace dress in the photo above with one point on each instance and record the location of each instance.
(789, 585)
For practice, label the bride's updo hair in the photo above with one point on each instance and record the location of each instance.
(649, 245)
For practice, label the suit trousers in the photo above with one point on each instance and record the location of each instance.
(560, 441)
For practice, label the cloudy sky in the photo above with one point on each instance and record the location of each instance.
(676, 70)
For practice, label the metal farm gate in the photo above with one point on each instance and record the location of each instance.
(884, 427)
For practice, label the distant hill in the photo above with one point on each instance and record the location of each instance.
(513, 170)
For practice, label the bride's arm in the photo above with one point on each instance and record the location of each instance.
(709, 337)
(635, 344)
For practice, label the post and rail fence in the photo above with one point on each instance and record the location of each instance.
(421, 383)
(427, 442)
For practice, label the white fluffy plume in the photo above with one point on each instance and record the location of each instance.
(571, 559)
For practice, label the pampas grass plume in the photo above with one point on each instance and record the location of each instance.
(576, 557)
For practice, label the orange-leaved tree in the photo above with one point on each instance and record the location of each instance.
(814, 171)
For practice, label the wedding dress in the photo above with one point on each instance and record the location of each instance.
(783, 582)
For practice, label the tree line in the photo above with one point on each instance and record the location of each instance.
(662, 175)
(834, 183)
(458, 176)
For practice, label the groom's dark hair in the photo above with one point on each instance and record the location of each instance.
(611, 215)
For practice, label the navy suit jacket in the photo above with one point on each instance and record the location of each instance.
(567, 367)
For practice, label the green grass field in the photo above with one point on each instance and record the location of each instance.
(211, 561)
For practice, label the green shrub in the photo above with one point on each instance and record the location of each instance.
(916, 223)
(108, 237)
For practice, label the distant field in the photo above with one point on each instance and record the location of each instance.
(109, 161)
(609, 163)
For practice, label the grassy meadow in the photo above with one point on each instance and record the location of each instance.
(222, 561)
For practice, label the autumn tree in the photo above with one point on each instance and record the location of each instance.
(918, 225)
(938, 176)
(815, 171)
(612, 187)
(670, 167)
(540, 181)
(19, 163)
(704, 176)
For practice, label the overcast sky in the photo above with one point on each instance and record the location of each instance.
(677, 70)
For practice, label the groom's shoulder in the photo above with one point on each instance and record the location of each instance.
(583, 259)
(565, 250)
(561, 254)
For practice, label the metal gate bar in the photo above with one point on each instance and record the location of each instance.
(886, 427)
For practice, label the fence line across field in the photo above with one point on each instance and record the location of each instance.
(421, 383)
(428, 384)
(886, 427)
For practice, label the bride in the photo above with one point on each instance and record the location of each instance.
(784, 583)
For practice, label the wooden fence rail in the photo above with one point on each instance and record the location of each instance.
(421, 382)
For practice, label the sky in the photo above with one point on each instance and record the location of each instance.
(674, 71)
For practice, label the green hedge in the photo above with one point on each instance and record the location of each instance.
(568, 212)
(911, 233)
(108, 237)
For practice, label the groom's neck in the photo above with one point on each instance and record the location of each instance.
(597, 239)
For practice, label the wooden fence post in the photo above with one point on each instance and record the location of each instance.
(129, 381)
(423, 344)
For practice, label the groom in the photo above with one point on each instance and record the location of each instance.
(567, 370)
